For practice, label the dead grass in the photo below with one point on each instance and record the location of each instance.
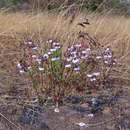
(109, 30)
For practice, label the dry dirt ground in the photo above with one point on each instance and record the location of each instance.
(15, 114)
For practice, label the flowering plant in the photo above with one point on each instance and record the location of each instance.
(83, 66)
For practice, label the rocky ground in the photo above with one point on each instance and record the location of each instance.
(73, 116)
(16, 112)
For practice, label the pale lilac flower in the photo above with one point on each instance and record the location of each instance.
(30, 42)
(91, 115)
(21, 71)
(94, 100)
(68, 49)
(69, 59)
(55, 59)
(98, 57)
(22, 66)
(81, 124)
(107, 49)
(96, 73)
(35, 48)
(107, 56)
(34, 56)
(89, 75)
(114, 63)
(39, 60)
(77, 69)
(106, 62)
(93, 76)
(83, 57)
(29, 68)
(92, 79)
(88, 49)
(49, 98)
(50, 41)
(84, 52)
(74, 56)
(73, 53)
(56, 44)
(49, 53)
(68, 66)
(19, 66)
(53, 50)
(46, 56)
(41, 68)
(78, 45)
(75, 61)
(57, 47)
(72, 48)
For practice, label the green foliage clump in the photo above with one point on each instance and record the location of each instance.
(10, 3)
(90, 5)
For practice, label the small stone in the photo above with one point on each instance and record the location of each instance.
(56, 110)
(91, 115)
(82, 124)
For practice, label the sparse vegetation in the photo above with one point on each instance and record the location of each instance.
(57, 73)
(117, 6)
(64, 70)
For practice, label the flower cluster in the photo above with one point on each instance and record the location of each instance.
(93, 77)
(33, 57)
(23, 67)
(25, 64)
(57, 72)
(75, 55)
(108, 57)
(30, 44)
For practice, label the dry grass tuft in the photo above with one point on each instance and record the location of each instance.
(109, 30)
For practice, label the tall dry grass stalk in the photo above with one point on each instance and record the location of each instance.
(109, 30)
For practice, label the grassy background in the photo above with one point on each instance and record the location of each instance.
(114, 30)
(110, 30)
